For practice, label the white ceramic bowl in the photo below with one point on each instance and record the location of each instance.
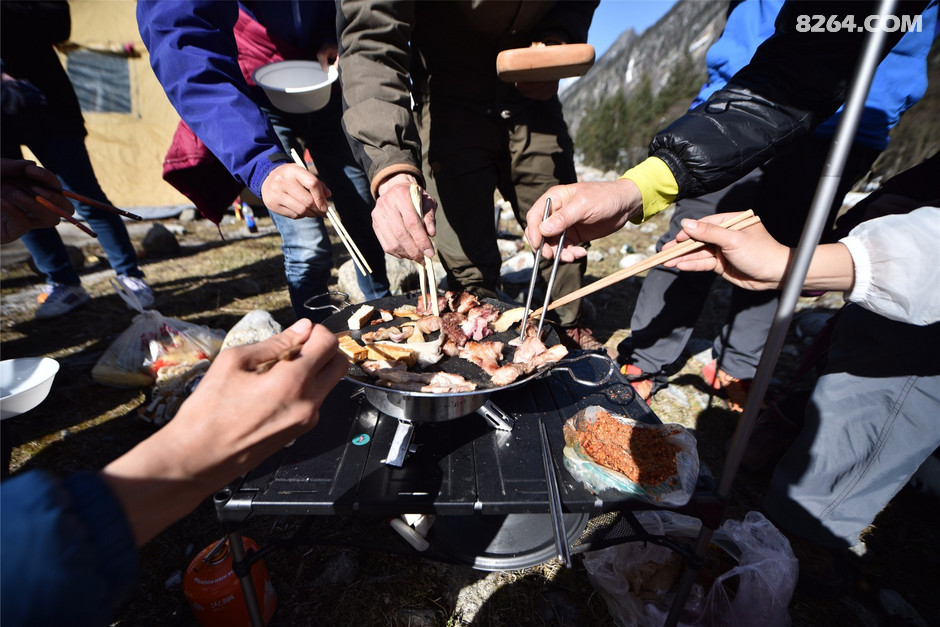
(24, 383)
(296, 86)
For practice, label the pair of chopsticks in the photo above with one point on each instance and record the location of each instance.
(425, 272)
(285, 355)
(26, 187)
(554, 499)
(737, 223)
(344, 236)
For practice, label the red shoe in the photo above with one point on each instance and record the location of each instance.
(582, 338)
(734, 389)
(642, 387)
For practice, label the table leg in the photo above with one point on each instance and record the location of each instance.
(248, 585)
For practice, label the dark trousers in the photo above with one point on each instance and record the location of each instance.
(63, 152)
(470, 154)
(670, 301)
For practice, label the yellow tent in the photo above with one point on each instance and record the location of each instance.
(126, 148)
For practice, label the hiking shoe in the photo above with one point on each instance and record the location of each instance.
(641, 383)
(61, 299)
(139, 288)
(734, 389)
(772, 435)
(580, 337)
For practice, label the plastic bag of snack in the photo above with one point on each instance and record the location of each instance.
(151, 343)
(656, 463)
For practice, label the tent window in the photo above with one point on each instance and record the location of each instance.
(101, 81)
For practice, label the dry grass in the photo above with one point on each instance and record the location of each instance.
(83, 425)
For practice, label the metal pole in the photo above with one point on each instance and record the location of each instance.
(247, 583)
(793, 284)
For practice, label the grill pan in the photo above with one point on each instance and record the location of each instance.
(427, 406)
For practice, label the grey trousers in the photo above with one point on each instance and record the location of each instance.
(670, 301)
(873, 418)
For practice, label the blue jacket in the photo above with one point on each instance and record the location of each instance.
(68, 553)
(194, 56)
(899, 82)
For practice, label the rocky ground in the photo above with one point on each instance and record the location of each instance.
(215, 282)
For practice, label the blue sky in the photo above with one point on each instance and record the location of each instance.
(612, 17)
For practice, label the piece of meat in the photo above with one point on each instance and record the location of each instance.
(397, 334)
(549, 356)
(530, 347)
(464, 302)
(484, 354)
(379, 335)
(504, 375)
(531, 328)
(476, 328)
(419, 381)
(372, 366)
(429, 324)
(450, 329)
(486, 311)
(424, 308)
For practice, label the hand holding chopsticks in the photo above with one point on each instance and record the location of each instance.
(741, 221)
(25, 187)
(428, 282)
(341, 231)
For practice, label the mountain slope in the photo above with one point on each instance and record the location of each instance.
(689, 28)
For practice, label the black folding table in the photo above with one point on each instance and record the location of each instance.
(471, 476)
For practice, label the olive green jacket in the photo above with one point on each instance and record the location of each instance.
(455, 45)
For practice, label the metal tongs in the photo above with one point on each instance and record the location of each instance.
(554, 499)
(535, 273)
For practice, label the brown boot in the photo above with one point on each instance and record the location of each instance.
(582, 338)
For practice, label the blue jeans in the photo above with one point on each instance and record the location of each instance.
(64, 153)
(305, 243)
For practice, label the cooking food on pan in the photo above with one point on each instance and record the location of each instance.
(403, 348)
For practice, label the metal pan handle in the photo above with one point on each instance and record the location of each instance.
(334, 301)
(564, 366)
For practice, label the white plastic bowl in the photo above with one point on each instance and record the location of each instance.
(296, 86)
(24, 383)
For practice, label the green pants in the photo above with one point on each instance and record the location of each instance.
(471, 152)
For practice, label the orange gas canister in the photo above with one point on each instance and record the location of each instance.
(215, 593)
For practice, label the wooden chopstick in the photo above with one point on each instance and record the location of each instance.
(737, 223)
(428, 264)
(285, 355)
(51, 207)
(341, 231)
(97, 203)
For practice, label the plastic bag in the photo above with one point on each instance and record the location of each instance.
(151, 344)
(674, 489)
(637, 579)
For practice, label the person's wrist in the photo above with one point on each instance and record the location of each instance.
(630, 198)
(400, 178)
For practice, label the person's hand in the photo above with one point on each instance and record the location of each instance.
(542, 90)
(587, 210)
(20, 182)
(234, 420)
(396, 223)
(294, 192)
(749, 258)
(327, 55)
